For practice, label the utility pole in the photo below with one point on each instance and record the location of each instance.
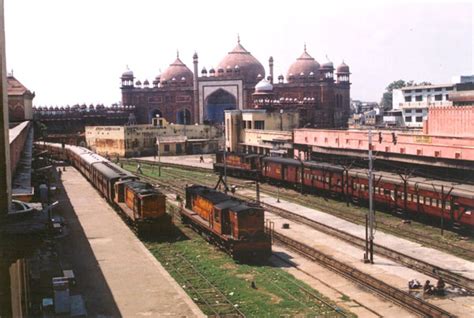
(370, 217)
(158, 146)
(225, 160)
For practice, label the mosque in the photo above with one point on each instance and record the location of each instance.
(182, 96)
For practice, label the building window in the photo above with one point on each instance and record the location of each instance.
(408, 118)
(408, 91)
(438, 89)
(439, 97)
(418, 90)
(419, 111)
(260, 124)
(407, 98)
(419, 119)
(449, 88)
(446, 96)
(419, 98)
(167, 148)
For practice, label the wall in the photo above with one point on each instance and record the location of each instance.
(451, 121)
(408, 143)
(138, 140)
(17, 136)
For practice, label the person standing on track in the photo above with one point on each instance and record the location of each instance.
(139, 168)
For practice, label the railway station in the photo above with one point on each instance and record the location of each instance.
(232, 191)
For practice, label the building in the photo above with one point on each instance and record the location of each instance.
(141, 140)
(450, 121)
(20, 100)
(67, 124)
(183, 96)
(260, 131)
(414, 101)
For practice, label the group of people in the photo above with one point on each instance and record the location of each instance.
(428, 288)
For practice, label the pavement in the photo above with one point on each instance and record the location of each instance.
(187, 160)
(115, 273)
(384, 269)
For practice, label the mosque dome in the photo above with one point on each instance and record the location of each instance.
(328, 65)
(127, 73)
(305, 64)
(264, 86)
(248, 65)
(343, 68)
(177, 70)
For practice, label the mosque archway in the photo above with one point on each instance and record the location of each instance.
(216, 104)
(183, 117)
(155, 113)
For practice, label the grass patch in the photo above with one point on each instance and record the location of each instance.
(277, 292)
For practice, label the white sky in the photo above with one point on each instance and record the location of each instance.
(74, 51)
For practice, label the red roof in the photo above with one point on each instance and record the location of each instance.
(14, 87)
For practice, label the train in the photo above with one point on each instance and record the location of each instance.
(234, 225)
(409, 195)
(142, 206)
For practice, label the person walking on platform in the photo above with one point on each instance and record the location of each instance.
(201, 159)
(139, 168)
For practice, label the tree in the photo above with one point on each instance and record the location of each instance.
(387, 97)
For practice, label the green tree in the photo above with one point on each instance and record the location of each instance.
(386, 102)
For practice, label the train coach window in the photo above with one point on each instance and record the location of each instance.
(216, 217)
(386, 191)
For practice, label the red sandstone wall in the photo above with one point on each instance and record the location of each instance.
(408, 143)
(451, 121)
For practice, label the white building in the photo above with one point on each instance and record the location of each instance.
(414, 101)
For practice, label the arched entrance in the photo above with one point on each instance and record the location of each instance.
(183, 117)
(216, 103)
(154, 113)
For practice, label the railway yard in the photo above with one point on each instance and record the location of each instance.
(316, 242)
(278, 253)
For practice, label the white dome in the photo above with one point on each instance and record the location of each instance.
(264, 86)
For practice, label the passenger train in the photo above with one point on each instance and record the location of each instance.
(140, 203)
(435, 199)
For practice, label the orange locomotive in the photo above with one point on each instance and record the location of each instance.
(232, 224)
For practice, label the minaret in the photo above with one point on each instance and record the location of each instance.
(195, 89)
(270, 64)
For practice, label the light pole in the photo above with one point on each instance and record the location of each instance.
(370, 217)
(158, 146)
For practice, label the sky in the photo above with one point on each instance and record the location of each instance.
(74, 51)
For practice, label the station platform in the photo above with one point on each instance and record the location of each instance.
(416, 250)
(115, 273)
(384, 269)
(186, 160)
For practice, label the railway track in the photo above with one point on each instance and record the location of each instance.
(396, 256)
(404, 299)
(406, 260)
(200, 289)
(412, 235)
